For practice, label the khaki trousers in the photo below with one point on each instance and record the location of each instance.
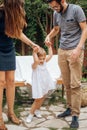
(71, 74)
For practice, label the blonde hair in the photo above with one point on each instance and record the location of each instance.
(14, 17)
(41, 52)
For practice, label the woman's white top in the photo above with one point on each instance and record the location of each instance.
(41, 81)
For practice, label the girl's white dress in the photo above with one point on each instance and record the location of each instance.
(41, 81)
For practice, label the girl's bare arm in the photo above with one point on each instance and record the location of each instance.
(50, 53)
(36, 60)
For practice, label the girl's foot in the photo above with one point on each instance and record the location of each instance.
(29, 118)
(38, 113)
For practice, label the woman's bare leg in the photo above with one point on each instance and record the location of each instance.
(2, 85)
(10, 95)
(10, 91)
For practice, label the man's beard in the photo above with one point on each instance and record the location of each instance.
(61, 8)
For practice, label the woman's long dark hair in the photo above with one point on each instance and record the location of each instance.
(14, 17)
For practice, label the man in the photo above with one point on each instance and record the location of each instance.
(69, 20)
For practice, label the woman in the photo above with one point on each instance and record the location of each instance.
(12, 22)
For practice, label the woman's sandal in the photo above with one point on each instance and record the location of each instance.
(2, 125)
(14, 119)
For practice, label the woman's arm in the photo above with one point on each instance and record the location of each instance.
(26, 40)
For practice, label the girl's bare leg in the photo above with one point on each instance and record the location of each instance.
(37, 104)
(41, 102)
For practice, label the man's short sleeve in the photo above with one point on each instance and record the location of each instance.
(79, 14)
(55, 19)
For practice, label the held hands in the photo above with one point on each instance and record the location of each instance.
(49, 45)
(35, 47)
(47, 41)
(75, 54)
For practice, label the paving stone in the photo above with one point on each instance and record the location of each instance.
(68, 119)
(83, 116)
(43, 108)
(5, 118)
(24, 113)
(57, 113)
(56, 108)
(83, 124)
(49, 118)
(54, 123)
(34, 123)
(83, 109)
(40, 129)
(15, 127)
(82, 129)
(27, 109)
(45, 113)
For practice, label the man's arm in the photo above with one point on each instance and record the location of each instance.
(77, 51)
(52, 34)
(83, 36)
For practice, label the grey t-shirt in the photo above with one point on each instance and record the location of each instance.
(69, 26)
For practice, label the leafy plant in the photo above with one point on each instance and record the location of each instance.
(69, 129)
(36, 20)
(53, 128)
(56, 97)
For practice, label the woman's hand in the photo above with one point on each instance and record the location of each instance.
(27, 41)
(35, 48)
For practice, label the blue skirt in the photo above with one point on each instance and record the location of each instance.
(7, 59)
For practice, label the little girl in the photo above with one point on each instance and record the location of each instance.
(42, 83)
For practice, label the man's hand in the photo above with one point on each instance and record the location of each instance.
(47, 41)
(75, 54)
